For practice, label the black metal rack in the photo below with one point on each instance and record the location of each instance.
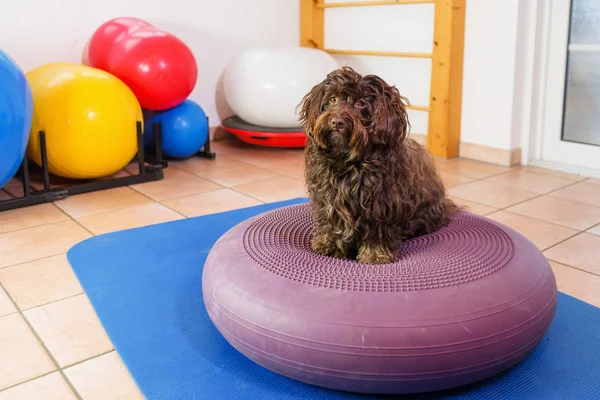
(149, 169)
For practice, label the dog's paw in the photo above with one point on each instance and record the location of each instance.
(326, 246)
(376, 255)
(323, 246)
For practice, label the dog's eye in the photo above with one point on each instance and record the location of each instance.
(333, 100)
(360, 104)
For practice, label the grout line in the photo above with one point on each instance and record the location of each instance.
(28, 380)
(36, 226)
(576, 268)
(592, 227)
(84, 228)
(541, 220)
(564, 187)
(520, 188)
(172, 209)
(91, 358)
(33, 260)
(53, 301)
(252, 197)
(137, 205)
(561, 242)
(42, 344)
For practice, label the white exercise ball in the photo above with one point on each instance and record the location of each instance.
(263, 86)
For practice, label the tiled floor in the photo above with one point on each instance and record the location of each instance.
(52, 345)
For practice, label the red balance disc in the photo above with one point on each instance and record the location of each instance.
(262, 135)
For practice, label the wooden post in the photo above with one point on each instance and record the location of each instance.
(312, 23)
(446, 78)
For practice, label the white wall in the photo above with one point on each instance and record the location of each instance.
(35, 32)
(489, 72)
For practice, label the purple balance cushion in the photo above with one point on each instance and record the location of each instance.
(461, 305)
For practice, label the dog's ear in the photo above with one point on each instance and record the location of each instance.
(359, 141)
(309, 108)
(389, 123)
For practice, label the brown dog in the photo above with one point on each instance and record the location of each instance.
(370, 187)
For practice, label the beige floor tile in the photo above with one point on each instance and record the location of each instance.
(39, 242)
(530, 181)
(177, 183)
(86, 204)
(104, 377)
(551, 172)
(6, 306)
(593, 181)
(274, 189)
(491, 194)
(210, 203)
(295, 158)
(473, 207)
(267, 157)
(471, 169)
(40, 282)
(223, 145)
(577, 283)
(292, 166)
(128, 218)
(198, 165)
(582, 192)
(293, 171)
(452, 180)
(22, 357)
(70, 329)
(559, 211)
(543, 234)
(238, 176)
(581, 251)
(48, 387)
(28, 217)
(595, 230)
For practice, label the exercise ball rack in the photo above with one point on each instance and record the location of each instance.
(149, 168)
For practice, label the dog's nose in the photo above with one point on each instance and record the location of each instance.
(336, 123)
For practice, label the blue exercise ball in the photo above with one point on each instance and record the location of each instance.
(16, 109)
(184, 129)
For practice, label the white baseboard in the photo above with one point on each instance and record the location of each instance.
(570, 169)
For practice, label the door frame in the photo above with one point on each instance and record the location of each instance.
(548, 96)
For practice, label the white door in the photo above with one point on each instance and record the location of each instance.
(570, 138)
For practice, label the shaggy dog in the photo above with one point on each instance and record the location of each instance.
(370, 187)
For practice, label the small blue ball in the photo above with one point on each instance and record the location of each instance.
(184, 130)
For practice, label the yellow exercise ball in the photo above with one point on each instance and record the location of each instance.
(89, 117)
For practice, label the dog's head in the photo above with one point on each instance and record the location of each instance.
(347, 115)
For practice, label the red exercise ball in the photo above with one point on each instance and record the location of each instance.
(157, 66)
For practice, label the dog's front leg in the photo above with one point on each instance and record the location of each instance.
(326, 243)
(323, 241)
(376, 253)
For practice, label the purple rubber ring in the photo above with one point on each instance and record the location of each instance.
(461, 305)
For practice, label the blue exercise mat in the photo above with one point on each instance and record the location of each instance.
(145, 285)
